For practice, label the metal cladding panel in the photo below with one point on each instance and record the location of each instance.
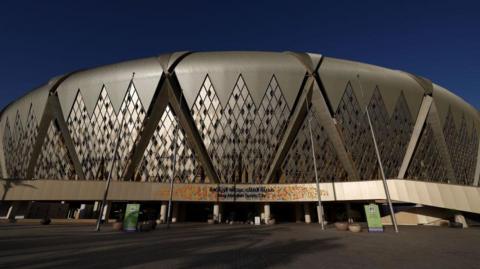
(460, 124)
(309, 60)
(316, 58)
(446, 100)
(18, 130)
(225, 68)
(37, 99)
(115, 79)
(463, 198)
(168, 61)
(238, 82)
(3, 172)
(336, 74)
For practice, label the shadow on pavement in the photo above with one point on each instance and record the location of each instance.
(191, 246)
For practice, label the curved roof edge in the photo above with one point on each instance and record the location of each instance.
(224, 69)
(363, 78)
(334, 73)
(115, 78)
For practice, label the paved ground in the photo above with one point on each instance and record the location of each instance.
(237, 246)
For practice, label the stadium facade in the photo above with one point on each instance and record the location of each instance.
(234, 127)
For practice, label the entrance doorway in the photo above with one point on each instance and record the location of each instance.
(197, 211)
(284, 212)
(240, 212)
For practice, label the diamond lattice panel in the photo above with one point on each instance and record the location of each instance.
(427, 163)
(17, 157)
(393, 133)
(29, 139)
(298, 165)
(462, 147)
(1, 169)
(157, 164)
(9, 149)
(241, 139)
(207, 114)
(95, 138)
(18, 144)
(134, 113)
(82, 134)
(354, 128)
(54, 161)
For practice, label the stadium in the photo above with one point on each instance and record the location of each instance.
(248, 133)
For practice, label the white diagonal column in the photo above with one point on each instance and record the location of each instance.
(333, 133)
(417, 131)
(477, 170)
(435, 122)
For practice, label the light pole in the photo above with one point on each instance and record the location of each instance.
(107, 187)
(319, 196)
(175, 138)
(169, 211)
(379, 159)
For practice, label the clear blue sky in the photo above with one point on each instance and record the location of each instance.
(439, 40)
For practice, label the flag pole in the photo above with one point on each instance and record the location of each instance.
(319, 196)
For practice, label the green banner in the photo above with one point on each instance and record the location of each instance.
(373, 218)
(131, 217)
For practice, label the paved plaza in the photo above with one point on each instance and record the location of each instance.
(236, 246)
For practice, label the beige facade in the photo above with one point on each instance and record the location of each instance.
(240, 119)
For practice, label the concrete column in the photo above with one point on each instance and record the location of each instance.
(298, 213)
(81, 211)
(266, 212)
(163, 212)
(96, 208)
(461, 219)
(175, 212)
(217, 216)
(308, 217)
(476, 177)
(11, 212)
(320, 213)
(415, 136)
(349, 213)
(106, 212)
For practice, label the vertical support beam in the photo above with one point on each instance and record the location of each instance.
(163, 212)
(106, 212)
(308, 215)
(216, 213)
(417, 131)
(329, 123)
(476, 178)
(266, 212)
(3, 168)
(185, 120)
(434, 120)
